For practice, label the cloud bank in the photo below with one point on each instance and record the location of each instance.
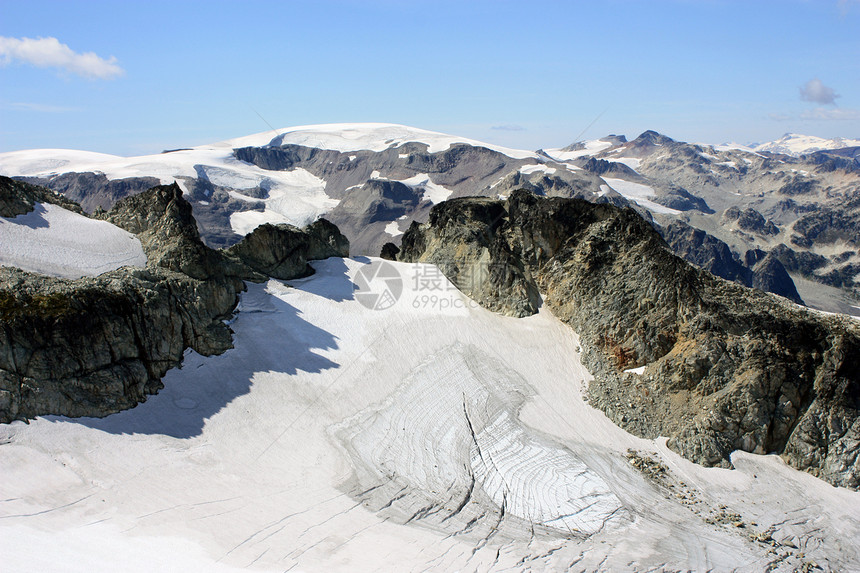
(817, 92)
(50, 53)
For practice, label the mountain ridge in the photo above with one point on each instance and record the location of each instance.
(373, 180)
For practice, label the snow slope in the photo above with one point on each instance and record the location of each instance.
(433, 192)
(54, 241)
(639, 193)
(432, 435)
(346, 137)
(592, 147)
(796, 144)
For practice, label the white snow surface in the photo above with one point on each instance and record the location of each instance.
(346, 137)
(639, 193)
(592, 147)
(797, 144)
(432, 435)
(296, 197)
(432, 192)
(631, 162)
(54, 241)
(729, 146)
(393, 229)
(538, 168)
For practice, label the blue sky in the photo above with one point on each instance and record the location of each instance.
(522, 74)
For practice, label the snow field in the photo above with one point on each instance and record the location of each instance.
(639, 193)
(591, 147)
(54, 241)
(424, 436)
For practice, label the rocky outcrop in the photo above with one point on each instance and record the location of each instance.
(829, 225)
(770, 275)
(94, 191)
(283, 251)
(94, 346)
(389, 251)
(750, 220)
(705, 251)
(162, 220)
(608, 168)
(462, 238)
(726, 367)
(762, 271)
(18, 198)
(680, 199)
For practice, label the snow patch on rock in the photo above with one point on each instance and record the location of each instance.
(54, 241)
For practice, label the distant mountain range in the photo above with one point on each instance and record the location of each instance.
(796, 144)
(783, 216)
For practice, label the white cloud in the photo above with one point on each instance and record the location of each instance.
(831, 114)
(817, 92)
(50, 53)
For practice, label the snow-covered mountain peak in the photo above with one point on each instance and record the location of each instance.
(346, 137)
(798, 144)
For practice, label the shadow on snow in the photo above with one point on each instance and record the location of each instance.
(270, 336)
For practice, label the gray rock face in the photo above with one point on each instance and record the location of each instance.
(762, 271)
(705, 251)
(283, 251)
(750, 220)
(610, 168)
(94, 191)
(770, 275)
(94, 346)
(18, 198)
(162, 220)
(726, 367)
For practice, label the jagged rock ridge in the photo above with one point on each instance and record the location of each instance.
(725, 367)
(94, 346)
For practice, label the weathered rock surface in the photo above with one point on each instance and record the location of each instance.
(726, 367)
(762, 270)
(94, 191)
(769, 275)
(750, 220)
(91, 347)
(705, 251)
(94, 346)
(18, 198)
(283, 251)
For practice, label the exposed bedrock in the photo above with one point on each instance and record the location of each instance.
(94, 346)
(725, 367)
(763, 271)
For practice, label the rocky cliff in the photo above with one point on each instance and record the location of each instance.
(94, 346)
(725, 367)
(764, 271)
